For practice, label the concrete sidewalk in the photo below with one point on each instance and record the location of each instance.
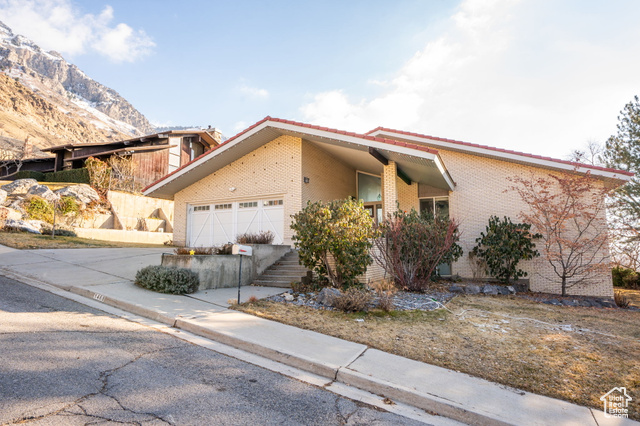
(106, 275)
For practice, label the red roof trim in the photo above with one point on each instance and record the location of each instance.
(309, 126)
(504, 151)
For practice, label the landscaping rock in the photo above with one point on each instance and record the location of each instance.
(8, 213)
(42, 191)
(503, 290)
(19, 187)
(490, 289)
(328, 295)
(288, 297)
(3, 196)
(21, 225)
(472, 289)
(512, 289)
(456, 289)
(83, 193)
(607, 303)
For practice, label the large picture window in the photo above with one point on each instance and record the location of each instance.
(437, 206)
(369, 187)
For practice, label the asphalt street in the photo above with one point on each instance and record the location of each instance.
(63, 363)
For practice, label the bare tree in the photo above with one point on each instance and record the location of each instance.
(11, 158)
(569, 213)
(591, 153)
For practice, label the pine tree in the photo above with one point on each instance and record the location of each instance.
(622, 151)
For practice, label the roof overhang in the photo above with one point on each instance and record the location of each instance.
(415, 163)
(611, 176)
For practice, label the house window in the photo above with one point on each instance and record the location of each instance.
(369, 187)
(271, 203)
(437, 206)
(201, 208)
(223, 206)
(433, 206)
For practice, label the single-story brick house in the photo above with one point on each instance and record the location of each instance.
(257, 179)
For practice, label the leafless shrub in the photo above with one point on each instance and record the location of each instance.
(385, 289)
(262, 237)
(620, 299)
(353, 300)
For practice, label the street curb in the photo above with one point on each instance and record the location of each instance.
(303, 363)
(125, 306)
(427, 402)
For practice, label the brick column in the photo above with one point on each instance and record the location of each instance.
(389, 190)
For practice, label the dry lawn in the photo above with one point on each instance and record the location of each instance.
(574, 354)
(26, 241)
(633, 296)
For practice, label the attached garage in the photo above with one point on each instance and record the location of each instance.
(219, 223)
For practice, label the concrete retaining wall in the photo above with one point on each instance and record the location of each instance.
(124, 236)
(221, 271)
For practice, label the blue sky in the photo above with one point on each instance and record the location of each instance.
(539, 76)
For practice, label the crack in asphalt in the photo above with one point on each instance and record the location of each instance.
(342, 418)
(104, 378)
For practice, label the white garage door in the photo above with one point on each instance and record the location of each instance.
(220, 223)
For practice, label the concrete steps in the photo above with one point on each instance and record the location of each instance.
(283, 272)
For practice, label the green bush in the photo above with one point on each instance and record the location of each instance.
(39, 209)
(625, 277)
(68, 205)
(503, 246)
(71, 176)
(164, 279)
(334, 240)
(29, 174)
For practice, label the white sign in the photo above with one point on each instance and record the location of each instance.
(242, 250)
(616, 403)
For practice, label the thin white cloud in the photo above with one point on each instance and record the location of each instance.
(254, 92)
(59, 25)
(530, 75)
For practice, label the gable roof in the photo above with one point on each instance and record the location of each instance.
(503, 154)
(269, 128)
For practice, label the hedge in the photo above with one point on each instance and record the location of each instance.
(29, 174)
(72, 176)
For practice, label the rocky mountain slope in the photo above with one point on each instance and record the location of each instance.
(52, 101)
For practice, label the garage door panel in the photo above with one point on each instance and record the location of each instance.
(223, 227)
(273, 220)
(200, 229)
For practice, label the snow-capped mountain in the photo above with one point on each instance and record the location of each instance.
(100, 112)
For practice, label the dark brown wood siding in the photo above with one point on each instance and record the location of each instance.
(151, 166)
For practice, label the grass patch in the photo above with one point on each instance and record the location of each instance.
(574, 354)
(26, 241)
(633, 296)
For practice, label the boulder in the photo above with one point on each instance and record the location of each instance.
(328, 295)
(8, 213)
(42, 191)
(3, 196)
(472, 289)
(456, 289)
(21, 225)
(19, 187)
(503, 290)
(512, 289)
(490, 289)
(83, 193)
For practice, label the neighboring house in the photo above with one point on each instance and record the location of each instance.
(16, 155)
(259, 178)
(154, 155)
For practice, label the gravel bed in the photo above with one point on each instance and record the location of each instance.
(402, 300)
